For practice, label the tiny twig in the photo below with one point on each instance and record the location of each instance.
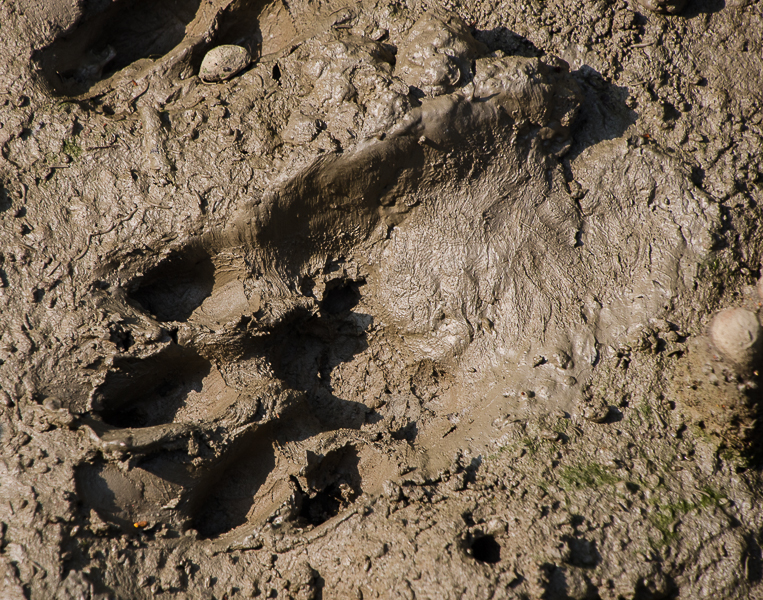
(100, 233)
(58, 266)
(158, 205)
(138, 95)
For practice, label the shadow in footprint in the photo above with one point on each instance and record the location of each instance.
(148, 392)
(698, 7)
(334, 481)
(305, 352)
(177, 287)
(604, 114)
(230, 499)
(112, 35)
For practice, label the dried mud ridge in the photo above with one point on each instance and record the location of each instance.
(404, 308)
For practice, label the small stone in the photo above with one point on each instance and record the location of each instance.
(224, 62)
(392, 491)
(596, 413)
(737, 335)
(670, 7)
(52, 403)
(552, 436)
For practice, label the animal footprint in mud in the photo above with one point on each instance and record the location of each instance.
(459, 221)
(229, 417)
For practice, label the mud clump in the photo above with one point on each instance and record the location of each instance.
(438, 54)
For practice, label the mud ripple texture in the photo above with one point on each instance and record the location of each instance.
(407, 300)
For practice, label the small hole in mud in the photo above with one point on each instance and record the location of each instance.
(276, 73)
(326, 504)
(485, 549)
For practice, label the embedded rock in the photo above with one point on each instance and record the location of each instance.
(224, 62)
(738, 336)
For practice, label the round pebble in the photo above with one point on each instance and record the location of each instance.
(737, 335)
(224, 62)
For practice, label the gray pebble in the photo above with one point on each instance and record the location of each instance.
(224, 62)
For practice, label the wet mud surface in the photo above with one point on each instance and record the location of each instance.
(381, 299)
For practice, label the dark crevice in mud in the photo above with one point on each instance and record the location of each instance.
(305, 349)
(112, 35)
(341, 298)
(147, 392)
(699, 7)
(239, 25)
(582, 552)
(5, 198)
(486, 550)
(325, 504)
(604, 115)
(753, 559)
(407, 432)
(644, 592)
(177, 287)
(502, 38)
(333, 484)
